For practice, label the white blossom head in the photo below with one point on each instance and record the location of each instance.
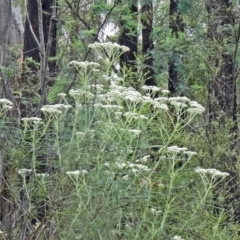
(62, 95)
(53, 110)
(108, 46)
(160, 106)
(5, 101)
(179, 99)
(190, 153)
(5, 105)
(135, 131)
(42, 175)
(144, 159)
(165, 92)
(212, 172)
(24, 171)
(195, 108)
(80, 94)
(176, 149)
(125, 177)
(76, 173)
(108, 51)
(85, 64)
(177, 238)
(152, 89)
(37, 119)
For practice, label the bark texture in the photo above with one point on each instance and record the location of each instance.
(11, 34)
(33, 56)
(176, 25)
(222, 88)
(147, 43)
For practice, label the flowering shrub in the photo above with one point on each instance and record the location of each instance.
(110, 161)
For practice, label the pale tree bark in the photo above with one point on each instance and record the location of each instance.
(11, 34)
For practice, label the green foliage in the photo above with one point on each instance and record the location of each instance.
(113, 167)
(104, 181)
(61, 85)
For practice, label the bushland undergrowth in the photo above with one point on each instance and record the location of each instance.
(108, 162)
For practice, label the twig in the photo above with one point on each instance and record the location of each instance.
(31, 29)
(96, 38)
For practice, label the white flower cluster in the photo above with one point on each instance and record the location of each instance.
(31, 119)
(132, 115)
(177, 238)
(133, 167)
(138, 167)
(97, 87)
(43, 175)
(119, 94)
(24, 171)
(62, 95)
(80, 134)
(152, 89)
(77, 173)
(211, 171)
(108, 106)
(81, 93)
(135, 131)
(108, 46)
(5, 105)
(5, 102)
(156, 212)
(195, 108)
(54, 109)
(176, 149)
(179, 99)
(161, 106)
(143, 159)
(183, 102)
(164, 91)
(179, 102)
(84, 64)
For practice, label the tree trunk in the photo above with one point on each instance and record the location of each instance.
(147, 43)
(11, 29)
(176, 26)
(33, 55)
(222, 88)
(11, 34)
